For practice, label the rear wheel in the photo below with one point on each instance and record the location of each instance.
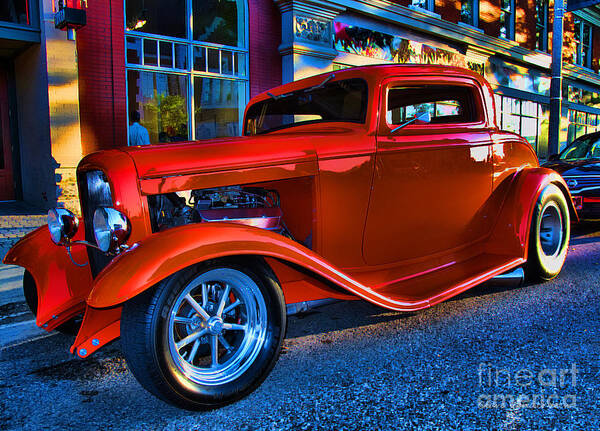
(206, 336)
(549, 235)
(70, 327)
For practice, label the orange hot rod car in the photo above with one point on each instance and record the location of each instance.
(390, 184)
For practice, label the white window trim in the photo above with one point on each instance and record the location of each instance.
(189, 71)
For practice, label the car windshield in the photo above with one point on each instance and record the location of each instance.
(586, 147)
(344, 100)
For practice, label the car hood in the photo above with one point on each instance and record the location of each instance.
(294, 145)
(575, 167)
(222, 154)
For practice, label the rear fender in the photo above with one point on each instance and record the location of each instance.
(511, 233)
(165, 253)
(62, 287)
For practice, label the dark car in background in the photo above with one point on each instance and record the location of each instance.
(579, 164)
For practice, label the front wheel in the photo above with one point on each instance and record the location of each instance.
(549, 235)
(206, 336)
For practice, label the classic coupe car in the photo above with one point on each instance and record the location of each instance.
(391, 184)
(579, 165)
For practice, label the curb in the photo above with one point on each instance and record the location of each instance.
(11, 284)
(13, 334)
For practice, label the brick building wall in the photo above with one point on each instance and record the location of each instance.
(102, 92)
(525, 23)
(265, 36)
(448, 10)
(402, 2)
(489, 14)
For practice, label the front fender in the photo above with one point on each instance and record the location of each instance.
(511, 233)
(62, 287)
(162, 254)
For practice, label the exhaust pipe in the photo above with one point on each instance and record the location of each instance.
(511, 278)
(304, 306)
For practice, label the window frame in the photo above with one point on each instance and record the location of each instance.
(475, 14)
(578, 38)
(511, 20)
(366, 93)
(543, 26)
(29, 13)
(539, 117)
(384, 129)
(429, 5)
(189, 71)
(573, 124)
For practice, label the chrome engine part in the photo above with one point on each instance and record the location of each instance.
(252, 206)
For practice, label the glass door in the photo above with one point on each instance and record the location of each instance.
(7, 190)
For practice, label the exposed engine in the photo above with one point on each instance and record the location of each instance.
(252, 206)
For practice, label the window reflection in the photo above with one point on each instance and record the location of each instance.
(166, 18)
(526, 118)
(169, 46)
(217, 110)
(218, 21)
(161, 100)
(15, 11)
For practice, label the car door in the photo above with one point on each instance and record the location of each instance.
(431, 181)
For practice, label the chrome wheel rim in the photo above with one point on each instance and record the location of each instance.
(551, 230)
(217, 326)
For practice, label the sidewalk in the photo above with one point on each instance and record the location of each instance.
(16, 321)
(16, 220)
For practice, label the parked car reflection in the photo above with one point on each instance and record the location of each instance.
(579, 164)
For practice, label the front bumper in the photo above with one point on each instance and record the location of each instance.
(63, 288)
(588, 207)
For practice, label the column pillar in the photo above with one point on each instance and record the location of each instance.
(556, 82)
(306, 37)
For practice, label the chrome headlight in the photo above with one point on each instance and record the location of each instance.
(62, 225)
(111, 229)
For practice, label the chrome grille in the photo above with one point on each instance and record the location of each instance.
(578, 183)
(94, 191)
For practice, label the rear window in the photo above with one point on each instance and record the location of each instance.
(344, 100)
(446, 104)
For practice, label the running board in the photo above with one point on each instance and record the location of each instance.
(510, 278)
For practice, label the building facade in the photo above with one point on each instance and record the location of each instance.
(187, 68)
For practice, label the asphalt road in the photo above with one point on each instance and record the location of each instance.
(492, 358)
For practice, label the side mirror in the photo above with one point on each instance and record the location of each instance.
(553, 157)
(424, 117)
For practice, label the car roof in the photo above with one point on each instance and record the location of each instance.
(376, 72)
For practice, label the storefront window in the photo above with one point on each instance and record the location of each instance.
(526, 118)
(425, 4)
(217, 107)
(161, 100)
(507, 19)
(187, 65)
(581, 123)
(541, 25)
(166, 18)
(218, 21)
(15, 11)
(582, 55)
(469, 12)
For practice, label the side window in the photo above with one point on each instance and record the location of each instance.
(445, 103)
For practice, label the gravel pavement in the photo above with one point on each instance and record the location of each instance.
(464, 364)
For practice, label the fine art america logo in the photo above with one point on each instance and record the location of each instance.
(526, 388)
